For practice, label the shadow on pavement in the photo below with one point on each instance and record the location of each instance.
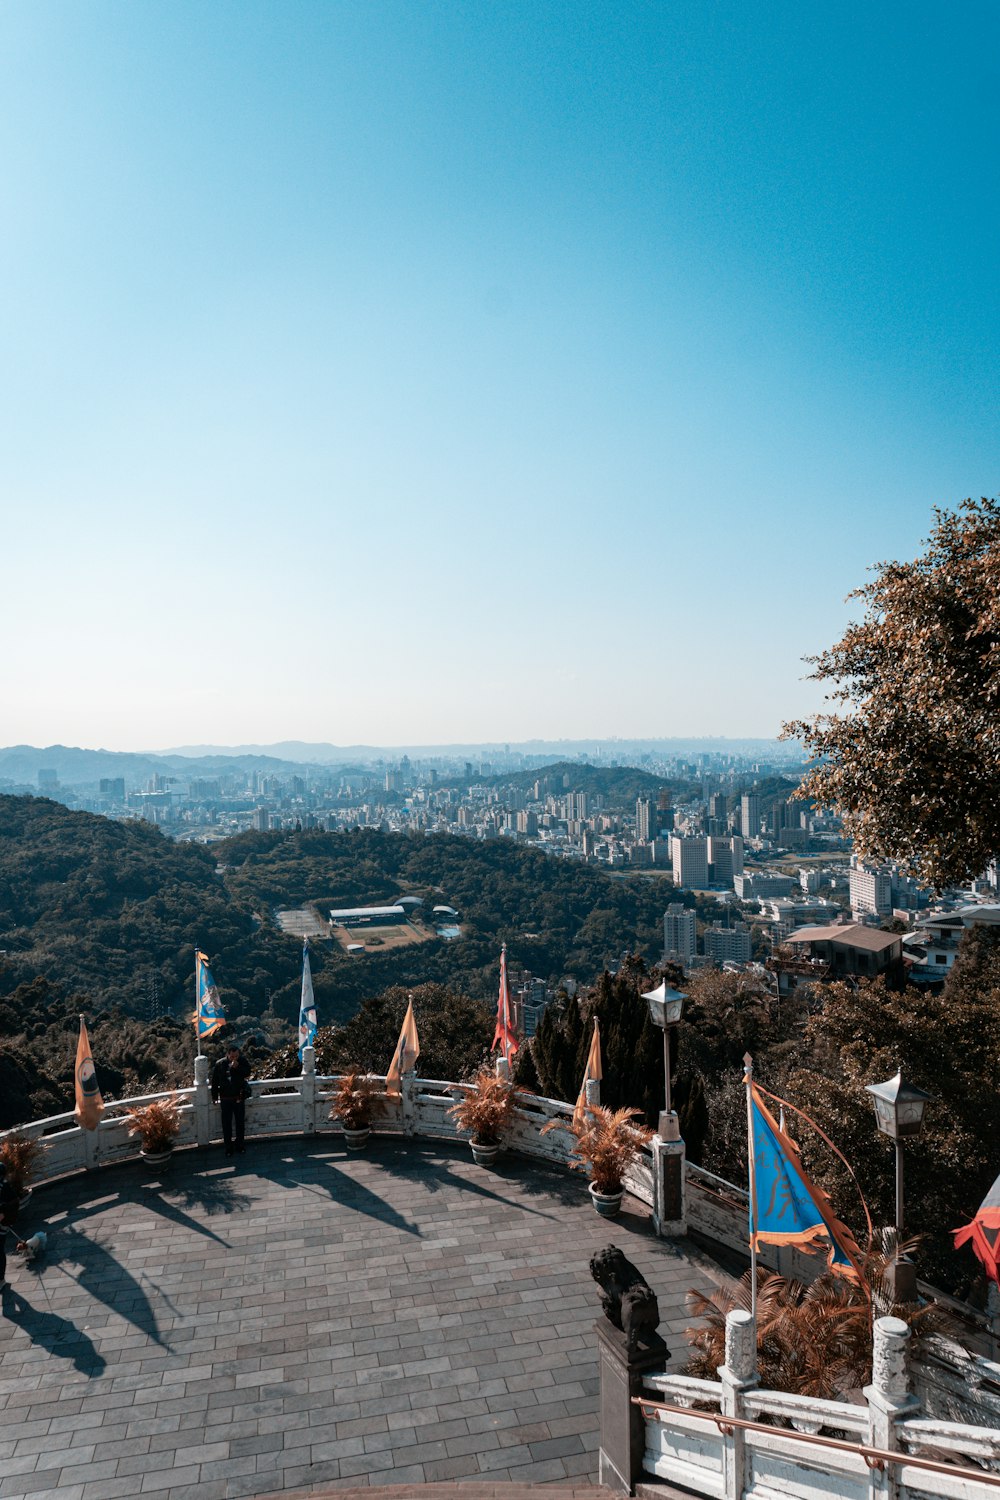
(58, 1335)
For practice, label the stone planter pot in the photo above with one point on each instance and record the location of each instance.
(357, 1140)
(608, 1205)
(157, 1158)
(485, 1153)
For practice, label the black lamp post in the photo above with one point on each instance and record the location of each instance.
(899, 1113)
(665, 1008)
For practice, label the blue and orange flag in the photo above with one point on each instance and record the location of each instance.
(785, 1207)
(984, 1233)
(307, 1005)
(209, 1017)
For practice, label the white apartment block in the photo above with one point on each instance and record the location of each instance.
(871, 890)
(727, 944)
(689, 858)
(680, 933)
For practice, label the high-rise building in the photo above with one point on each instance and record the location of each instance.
(871, 890)
(644, 820)
(689, 858)
(750, 815)
(725, 857)
(680, 933)
(728, 944)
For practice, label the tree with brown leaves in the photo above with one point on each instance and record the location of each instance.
(913, 765)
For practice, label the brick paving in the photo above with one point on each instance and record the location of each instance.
(313, 1320)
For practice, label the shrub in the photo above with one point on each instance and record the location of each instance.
(356, 1100)
(156, 1124)
(486, 1107)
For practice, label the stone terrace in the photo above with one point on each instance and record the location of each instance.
(313, 1319)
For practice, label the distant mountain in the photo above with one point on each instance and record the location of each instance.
(20, 764)
(307, 752)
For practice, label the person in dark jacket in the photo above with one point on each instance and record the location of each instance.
(231, 1089)
(9, 1204)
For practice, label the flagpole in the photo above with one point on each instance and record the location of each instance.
(505, 1003)
(748, 1080)
(197, 999)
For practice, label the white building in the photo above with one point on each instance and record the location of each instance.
(689, 858)
(871, 890)
(680, 933)
(727, 944)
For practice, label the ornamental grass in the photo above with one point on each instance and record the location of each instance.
(486, 1108)
(356, 1100)
(157, 1124)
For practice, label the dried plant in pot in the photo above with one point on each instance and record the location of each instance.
(607, 1144)
(20, 1155)
(157, 1124)
(486, 1111)
(356, 1103)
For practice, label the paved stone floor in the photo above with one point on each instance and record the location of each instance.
(313, 1319)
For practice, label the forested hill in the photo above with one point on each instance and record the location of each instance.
(112, 912)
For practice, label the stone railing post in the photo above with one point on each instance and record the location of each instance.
(889, 1399)
(737, 1376)
(592, 1091)
(408, 1102)
(307, 1090)
(623, 1427)
(669, 1184)
(202, 1102)
(91, 1148)
(503, 1068)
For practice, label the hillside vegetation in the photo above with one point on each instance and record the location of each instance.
(104, 918)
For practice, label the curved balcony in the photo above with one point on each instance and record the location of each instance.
(306, 1317)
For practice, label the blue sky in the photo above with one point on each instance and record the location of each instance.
(415, 372)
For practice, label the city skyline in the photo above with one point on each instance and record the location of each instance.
(474, 373)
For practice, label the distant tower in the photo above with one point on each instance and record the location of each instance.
(750, 815)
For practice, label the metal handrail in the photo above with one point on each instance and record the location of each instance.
(875, 1458)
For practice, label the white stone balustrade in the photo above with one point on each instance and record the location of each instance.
(755, 1442)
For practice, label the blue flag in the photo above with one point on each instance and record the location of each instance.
(785, 1207)
(209, 1017)
(307, 1007)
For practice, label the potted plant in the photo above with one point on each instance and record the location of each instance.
(157, 1125)
(607, 1143)
(486, 1110)
(20, 1155)
(355, 1104)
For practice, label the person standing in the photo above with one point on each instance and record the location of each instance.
(9, 1204)
(230, 1090)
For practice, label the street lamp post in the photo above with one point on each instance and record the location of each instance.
(899, 1114)
(665, 1008)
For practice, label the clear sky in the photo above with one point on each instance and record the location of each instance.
(383, 372)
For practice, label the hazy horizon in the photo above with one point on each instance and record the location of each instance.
(474, 372)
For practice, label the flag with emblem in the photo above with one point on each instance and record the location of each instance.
(89, 1104)
(307, 1005)
(209, 1016)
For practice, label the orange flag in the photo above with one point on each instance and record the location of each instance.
(503, 1036)
(592, 1071)
(405, 1056)
(89, 1104)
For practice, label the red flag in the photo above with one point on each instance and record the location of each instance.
(504, 1037)
(984, 1232)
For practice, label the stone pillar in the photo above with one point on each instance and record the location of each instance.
(307, 1090)
(503, 1068)
(408, 1102)
(202, 1102)
(737, 1376)
(669, 1185)
(889, 1399)
(91, 1147)
(623, 1431)
(592, 1091)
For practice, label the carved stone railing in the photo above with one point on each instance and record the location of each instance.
(301, 1106)
(729, 1439)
